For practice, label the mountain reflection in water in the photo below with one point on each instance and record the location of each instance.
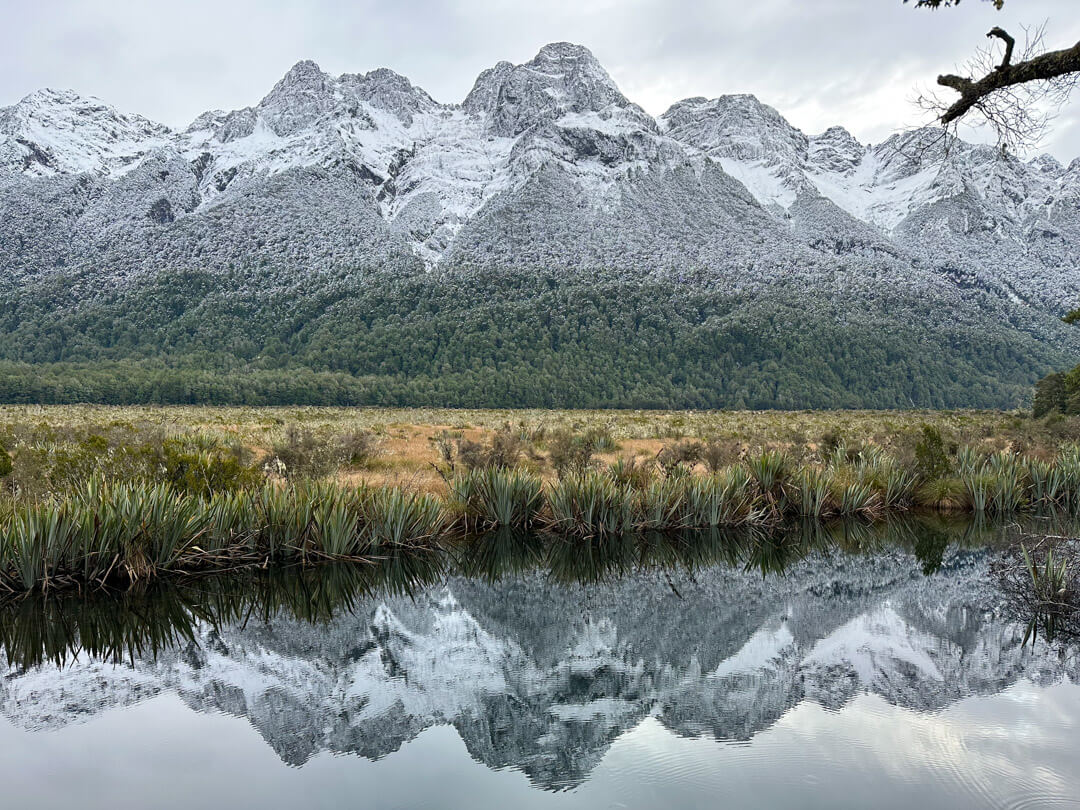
(542, 654)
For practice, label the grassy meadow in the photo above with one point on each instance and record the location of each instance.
(404, 445)
(95, 496)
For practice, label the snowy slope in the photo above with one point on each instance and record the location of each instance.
(443, 182)
(965, 208)
(54, 132)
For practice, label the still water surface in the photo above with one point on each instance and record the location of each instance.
(854, 667)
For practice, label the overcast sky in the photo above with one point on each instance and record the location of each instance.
(819, 62)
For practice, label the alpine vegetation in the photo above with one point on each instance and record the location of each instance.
(130, 533)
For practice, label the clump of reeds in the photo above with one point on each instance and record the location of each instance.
(941, 493)
(723, 498)
(1047, 482)
(663, 504)
(1051, 604)
(771, 473)
(138, 529)
(1068, 465)
(394, 517)
(494, 497)
(856, 498)
(998, 484)
(133, 532)
(632, 472)
(812, 488)
(591, 504)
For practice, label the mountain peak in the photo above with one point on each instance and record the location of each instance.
(835, 150)
(562, 78)
(555, 52)
(387, 90)
(50, 95)
(64, 102)
(303, 78)
(305, 70)
(303, 95)
(906, 153)
(59, 131)
(485, 91)
(1048, 165)
(735, 126)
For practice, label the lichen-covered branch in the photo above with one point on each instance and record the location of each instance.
(1045, 67)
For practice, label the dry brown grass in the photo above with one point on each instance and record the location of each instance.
(408, 450)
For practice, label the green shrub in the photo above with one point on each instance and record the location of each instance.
(931, 459)
(718, 453)
(503, 452)
(204, 472)
(301, 453)
(358, 448)
(941, 492)
(686, 453)
(570, 454)
(829, 441)
(601, 440)
(1051, 396)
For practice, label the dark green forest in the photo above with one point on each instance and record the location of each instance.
(1058, 393)
(485, 339)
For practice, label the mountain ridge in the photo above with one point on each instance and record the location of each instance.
(544, 169)
(560, 107)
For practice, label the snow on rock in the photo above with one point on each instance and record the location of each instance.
(761, 651)
(835, 151)
(562, 78)
(552, 142)
(53, 132)
(871, 643)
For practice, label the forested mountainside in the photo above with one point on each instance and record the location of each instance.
(545, 242)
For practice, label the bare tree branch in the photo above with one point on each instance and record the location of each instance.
(1000, 33)
(1045, 67)
(1013, 96)
(998, 4)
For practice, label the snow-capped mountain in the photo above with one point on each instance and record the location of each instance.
(542, 162)
(355, 225)
(937, 198)
(543, 677)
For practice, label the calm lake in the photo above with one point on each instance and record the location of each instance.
(853, 666)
